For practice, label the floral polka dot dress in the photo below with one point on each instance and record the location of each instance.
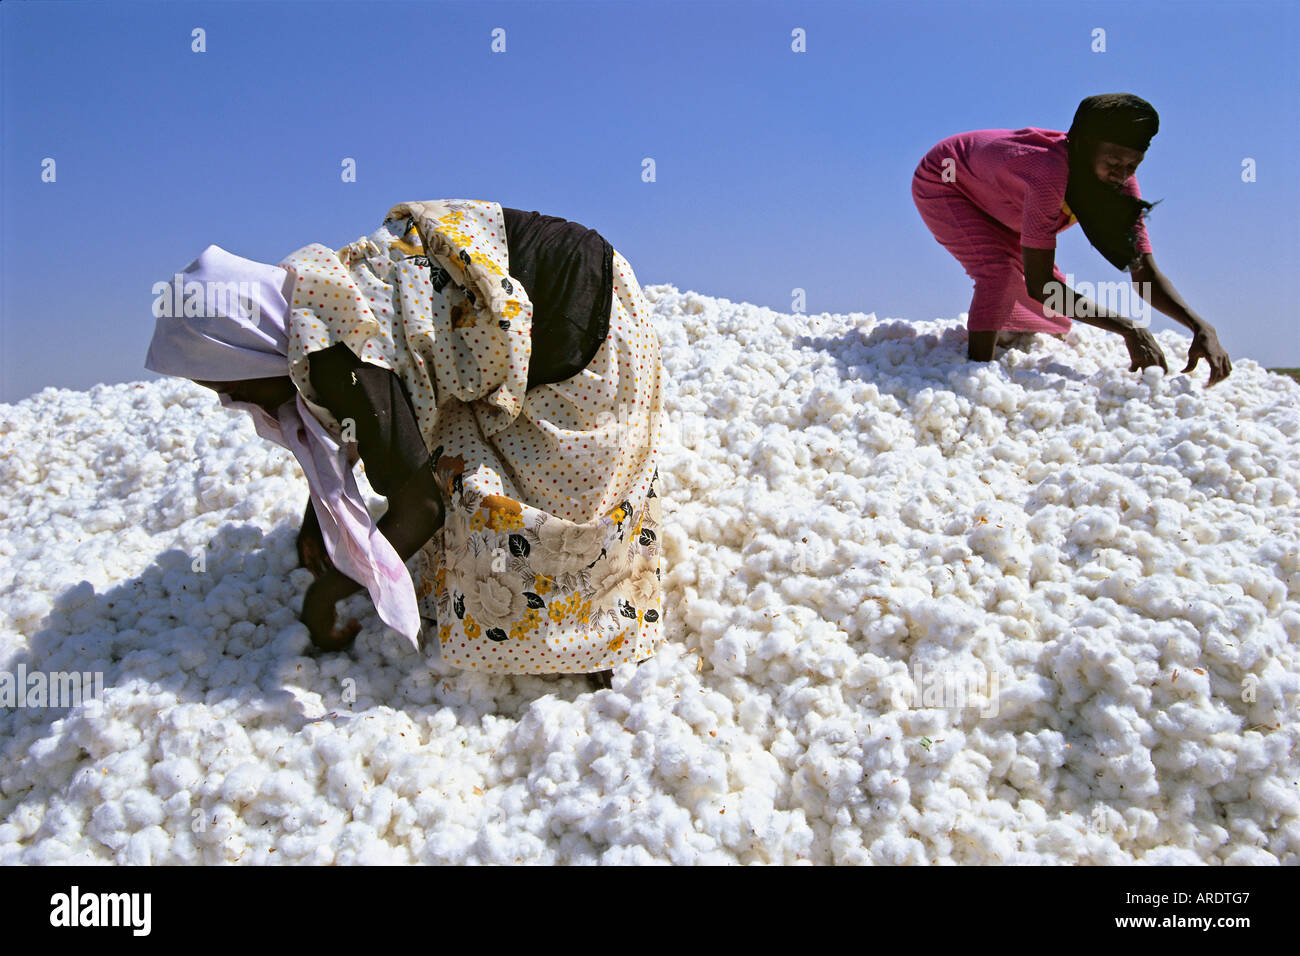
(549, 561)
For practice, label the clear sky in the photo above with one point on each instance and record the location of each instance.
(774, 170)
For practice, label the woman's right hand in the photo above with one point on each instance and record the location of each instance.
(1143, 349)
(1205, 345)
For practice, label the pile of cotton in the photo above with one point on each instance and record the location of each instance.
(920, 610)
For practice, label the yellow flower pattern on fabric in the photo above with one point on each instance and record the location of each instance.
(410, 248)
(504, 521)
(487, 262)
(464, 241)
(463, 317)
(533, 490)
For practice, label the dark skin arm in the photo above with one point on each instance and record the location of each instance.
(372, 405)
(1041, 285)
(415, 513)
(1154, 286)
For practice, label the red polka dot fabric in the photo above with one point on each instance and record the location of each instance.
(549, 561)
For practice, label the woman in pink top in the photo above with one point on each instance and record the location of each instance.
(997, 198)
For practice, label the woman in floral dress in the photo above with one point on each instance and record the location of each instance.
(526, 362)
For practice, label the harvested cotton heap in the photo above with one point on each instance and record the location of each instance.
(920, 610)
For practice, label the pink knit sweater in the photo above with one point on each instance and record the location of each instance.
(1018, 177)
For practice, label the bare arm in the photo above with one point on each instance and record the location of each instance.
(1043, 286)
(415, 514)
(375, 403)
(1154, 286)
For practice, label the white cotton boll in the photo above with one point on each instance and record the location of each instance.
(378, 809)
(1278, 800)
(359, 845)
(11, 851)
(142, 809)
(241, 785)
(730, 653)
(51, 751)
(147, 847)
(1212, 767)
(26, 610)
(310, 849)
(108, 825)
(1001, 538)
(635, 855)
(1170, 856)
(105, 736)
(64, 821)
(1094, 527)
(1134, 526)
(894, 849)
(1025, 697)
(48, 852)
(945, 621)
(838, 776)
(1250, 856)
(347, 783)
(179, 808)
(757, 774)
(693, 709)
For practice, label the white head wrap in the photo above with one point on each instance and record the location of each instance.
(236, 329)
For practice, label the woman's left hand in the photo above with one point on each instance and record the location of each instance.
(1205, 345)
(318, 614)
(1143, 349)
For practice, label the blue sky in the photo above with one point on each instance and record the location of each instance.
(775, 170)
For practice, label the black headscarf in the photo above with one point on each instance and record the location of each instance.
(1107, 216)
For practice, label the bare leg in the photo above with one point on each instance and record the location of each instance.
(981, 345)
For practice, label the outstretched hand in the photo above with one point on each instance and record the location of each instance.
(1144, 350)
(1205, 345)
